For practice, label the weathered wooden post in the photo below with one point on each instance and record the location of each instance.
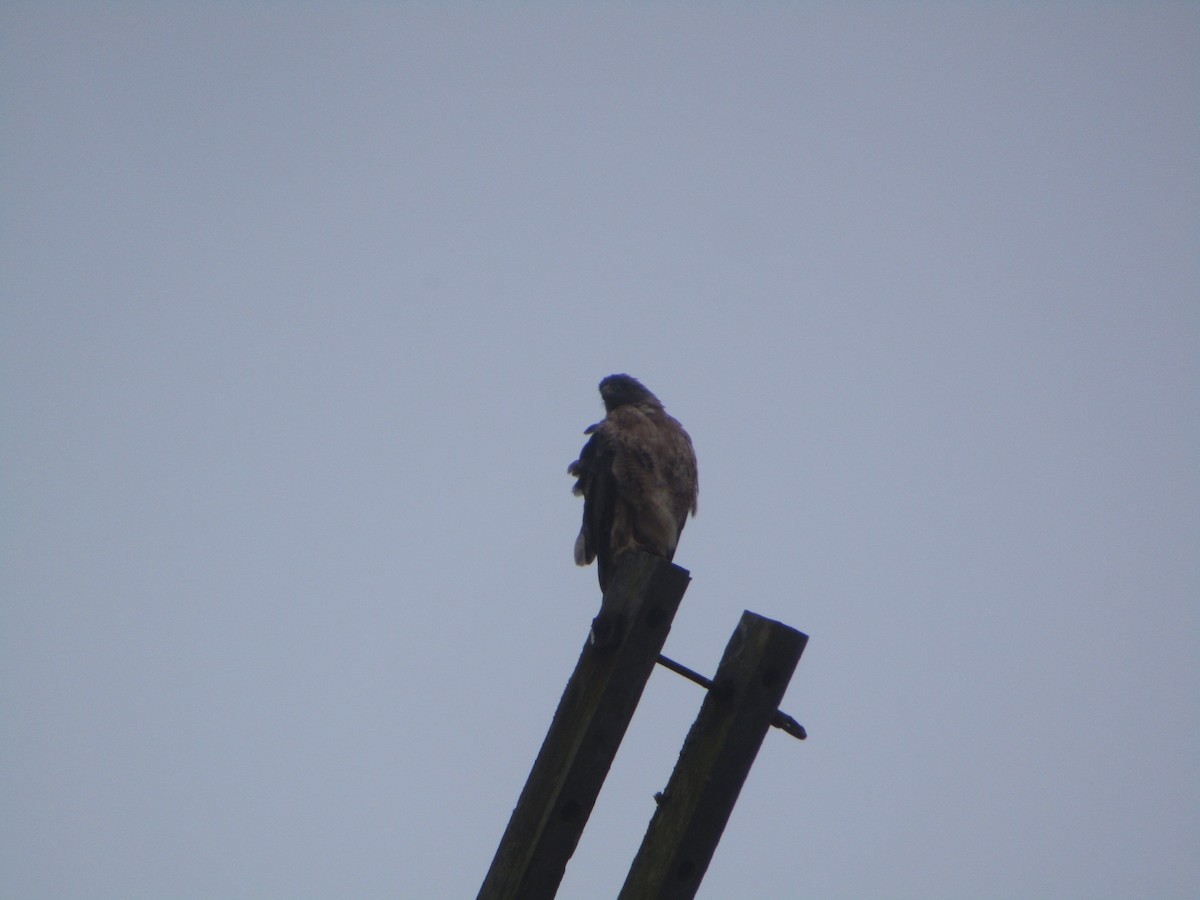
(715, 760)
(591, 720)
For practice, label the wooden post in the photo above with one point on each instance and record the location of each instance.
(592, 716)
(715, 760)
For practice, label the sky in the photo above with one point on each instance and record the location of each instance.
(302, 312)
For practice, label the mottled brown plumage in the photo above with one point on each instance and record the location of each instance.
(637, 477)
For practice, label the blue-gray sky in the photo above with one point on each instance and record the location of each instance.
(302, 310)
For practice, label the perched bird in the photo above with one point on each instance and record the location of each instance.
(637, 477)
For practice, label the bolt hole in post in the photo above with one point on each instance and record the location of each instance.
(606, 631)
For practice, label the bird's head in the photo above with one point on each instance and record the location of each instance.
(625, 390)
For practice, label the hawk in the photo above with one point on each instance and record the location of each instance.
(637, 477)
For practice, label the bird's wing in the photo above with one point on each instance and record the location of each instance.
(598, 486)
